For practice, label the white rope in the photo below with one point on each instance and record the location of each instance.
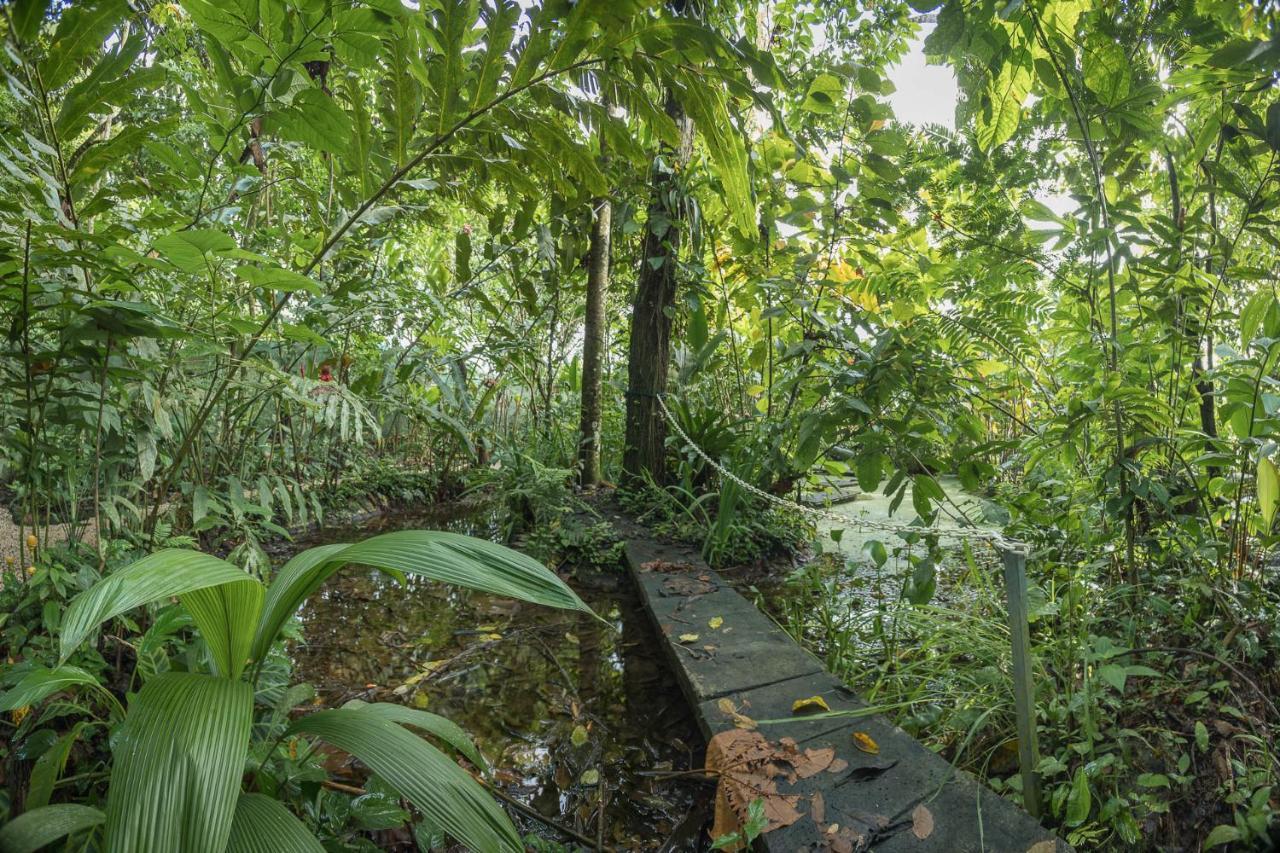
(969, 534)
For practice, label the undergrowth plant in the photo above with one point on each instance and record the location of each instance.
(206, 754)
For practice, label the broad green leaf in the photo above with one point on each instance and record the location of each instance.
(227, 616)
(433, 724)
(448, 557)
(708, 109)
(1202, 736)
(42, 682)
(1106, 70)
(825, 95)
(82, 29)
(218, 19)
(172, 572)
(1113, 674)
(948, 32)
(37, 828)
(27, 15)
(1268, 490)
(1222, 834)
(186, 249)
(49, 767)
(278, 279)
(263, 825)
(455, 20)
(1003, 107)
(314, 119)
(869, 471)
(443, 792)
(178, 761)
(1080, 800)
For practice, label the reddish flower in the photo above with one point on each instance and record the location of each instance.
(325, 374)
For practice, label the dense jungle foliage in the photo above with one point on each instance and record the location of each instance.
(264, 261)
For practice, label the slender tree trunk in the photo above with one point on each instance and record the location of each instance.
(593, 343)
(650, 349)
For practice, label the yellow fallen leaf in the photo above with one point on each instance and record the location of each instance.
(810, 705)
(688, 638)
(863, 741)
(715, 622)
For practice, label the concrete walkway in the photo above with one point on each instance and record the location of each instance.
(739, 655)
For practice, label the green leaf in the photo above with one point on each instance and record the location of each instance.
(186, 249)
(1113, 674)
(1003, 105)
(278, 279)
(1106, 71)
(178, 761)
(448, 557)
(172, 572)
(263, 825)
(218, 19)
(1080, 800)
(708, 109)
(1153, 780)
(27, 15)
(39, 827)
(315, 120)
(1202, 736)
(1268, 490)
(82, 29)
(49, 767)
(455, 21)
(227, 616)
(869, 471)
(825, 95)
(446, 794)
(1222, 834)
(433, 724)
(1273, 126)
(948, 31)
(42, 682)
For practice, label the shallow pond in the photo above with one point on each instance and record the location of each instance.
(527, 683)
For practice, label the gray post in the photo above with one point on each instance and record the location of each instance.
(1024, 696)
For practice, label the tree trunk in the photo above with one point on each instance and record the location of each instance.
(593, 343)
(650, 349)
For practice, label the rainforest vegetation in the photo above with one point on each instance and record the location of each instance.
(267, 266)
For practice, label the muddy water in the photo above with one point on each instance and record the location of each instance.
(521, 680)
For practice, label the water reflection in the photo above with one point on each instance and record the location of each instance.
(521, 679)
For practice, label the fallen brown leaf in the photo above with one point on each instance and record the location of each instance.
(921, 822)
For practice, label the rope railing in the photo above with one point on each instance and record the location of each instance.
(994, 538)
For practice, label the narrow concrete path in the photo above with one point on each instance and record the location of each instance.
(761, 671)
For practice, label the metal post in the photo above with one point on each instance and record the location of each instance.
(1024, 697)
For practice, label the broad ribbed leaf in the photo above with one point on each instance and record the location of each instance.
(433, 724)
(154, 578)
(81, 30)
(449, 557)
(41, 682)
(446, 795)
(263, 825)
(34, 829)
(178, 761)
(710, 114)
(227, 616)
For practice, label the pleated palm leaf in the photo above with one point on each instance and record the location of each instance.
(180, 753)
